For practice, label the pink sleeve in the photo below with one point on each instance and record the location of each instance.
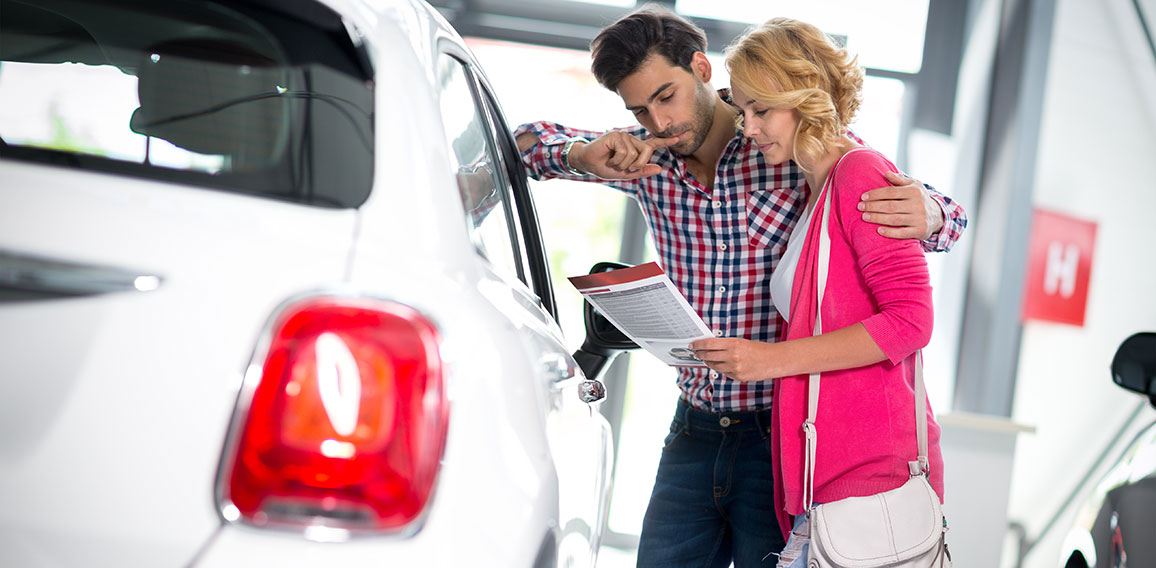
(894, 269)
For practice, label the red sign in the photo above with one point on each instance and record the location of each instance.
(1059, 268)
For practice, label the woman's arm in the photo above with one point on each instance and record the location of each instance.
(894, 271)
(746, 360)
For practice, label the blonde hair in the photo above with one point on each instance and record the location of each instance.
(789, 64)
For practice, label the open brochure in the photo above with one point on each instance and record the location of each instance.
(644, 304)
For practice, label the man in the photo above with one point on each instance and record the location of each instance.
(720, 217)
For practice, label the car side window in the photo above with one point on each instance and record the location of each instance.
(508, 165)
(482, 184)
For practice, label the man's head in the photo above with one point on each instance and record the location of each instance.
(621, 48)
(655, 60)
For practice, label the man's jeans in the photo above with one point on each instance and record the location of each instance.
(713, 496)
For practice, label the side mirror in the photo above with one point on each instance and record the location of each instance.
(600, 333)
(1134, 366)
(603, 343)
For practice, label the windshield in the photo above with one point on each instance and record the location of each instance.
(234, 96)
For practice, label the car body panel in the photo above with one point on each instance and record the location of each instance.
(96, 385)
(124, 399)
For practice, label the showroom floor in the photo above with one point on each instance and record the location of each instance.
(615, 558)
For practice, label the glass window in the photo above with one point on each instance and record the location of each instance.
(886, 34)
(242, 98)
(881, 114)
(482, 183)
(581, 222)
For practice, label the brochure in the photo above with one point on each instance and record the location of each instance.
(646, 306)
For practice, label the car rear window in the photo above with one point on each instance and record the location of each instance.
(262, 97)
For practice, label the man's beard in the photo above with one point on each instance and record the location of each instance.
(699, 127)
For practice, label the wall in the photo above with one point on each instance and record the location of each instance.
(1097, 138)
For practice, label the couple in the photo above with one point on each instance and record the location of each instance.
(731, 214)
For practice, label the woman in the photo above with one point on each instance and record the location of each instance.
(797, 93)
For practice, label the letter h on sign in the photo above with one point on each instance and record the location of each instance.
(1059, 268)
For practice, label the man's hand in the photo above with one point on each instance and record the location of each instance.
(903, 210)
(740, 359)
(618, 155)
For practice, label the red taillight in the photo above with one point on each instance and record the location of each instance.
(347, 424)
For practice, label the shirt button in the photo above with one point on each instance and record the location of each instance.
(717, 203)
(722, 289)
(718, 332)
(722, 246)
(724, 421)
(714, 374)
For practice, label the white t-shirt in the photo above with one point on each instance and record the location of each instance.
(783, 277)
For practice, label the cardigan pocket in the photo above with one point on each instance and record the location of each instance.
(770, 216)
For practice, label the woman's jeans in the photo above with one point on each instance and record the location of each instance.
(713, 499)
(798, 546)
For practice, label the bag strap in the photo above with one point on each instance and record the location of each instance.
(921, 465)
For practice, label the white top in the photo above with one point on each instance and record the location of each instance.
(783, 277)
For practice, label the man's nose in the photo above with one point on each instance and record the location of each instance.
(662, 122)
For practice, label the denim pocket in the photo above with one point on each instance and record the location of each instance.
(676, 431)
(768, 216)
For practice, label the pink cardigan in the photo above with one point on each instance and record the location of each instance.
(866, 420)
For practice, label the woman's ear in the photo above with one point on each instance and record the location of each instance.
(700, 65)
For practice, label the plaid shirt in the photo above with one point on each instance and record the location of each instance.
(719, 247)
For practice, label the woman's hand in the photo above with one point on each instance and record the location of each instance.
(740, 359)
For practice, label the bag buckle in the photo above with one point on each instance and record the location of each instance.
(919, 467)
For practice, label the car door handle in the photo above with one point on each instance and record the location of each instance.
(558, 367)
(57, 277)
(563, 369)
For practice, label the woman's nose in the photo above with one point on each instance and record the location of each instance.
(749, 127)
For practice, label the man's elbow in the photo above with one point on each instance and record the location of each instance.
(526, 140)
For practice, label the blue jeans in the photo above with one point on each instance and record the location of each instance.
(713, 499)
(799, 545)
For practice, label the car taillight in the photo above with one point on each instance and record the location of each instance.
(347, 424)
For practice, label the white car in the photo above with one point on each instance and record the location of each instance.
(272, 293)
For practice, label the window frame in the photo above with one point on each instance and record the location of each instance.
(521, 216)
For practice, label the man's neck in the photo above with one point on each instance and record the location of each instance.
(722, 131)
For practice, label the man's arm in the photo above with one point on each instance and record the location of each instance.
(540, 145)
(911, 210)
(621, 155)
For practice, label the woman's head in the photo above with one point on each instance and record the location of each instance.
(786, 64)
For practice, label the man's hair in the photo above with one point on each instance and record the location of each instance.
(622, 47)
